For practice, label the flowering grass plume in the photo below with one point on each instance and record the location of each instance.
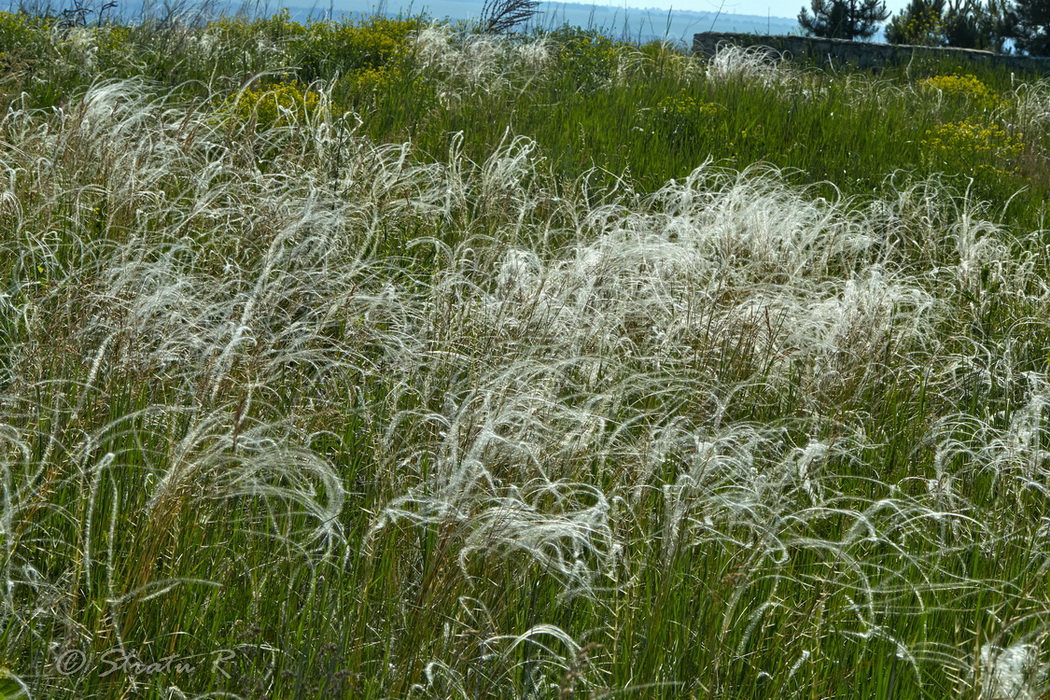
(393, 409)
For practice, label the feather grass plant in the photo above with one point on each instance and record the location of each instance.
(309, 412)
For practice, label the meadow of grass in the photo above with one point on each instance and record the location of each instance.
(390, 360)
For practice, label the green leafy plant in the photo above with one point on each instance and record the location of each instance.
(968, 146)
(681, 117)
(921, 23)
(328, 47)
(966, 87)
(281, 104)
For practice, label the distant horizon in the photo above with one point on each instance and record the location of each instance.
(770, 11)
(643, 24)
(635, 21)
(698, 7)
(767, 9)
(623, 21)
(618, 22)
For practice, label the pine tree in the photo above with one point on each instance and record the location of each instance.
(1032, 29)
(969, 24)
(843, 19)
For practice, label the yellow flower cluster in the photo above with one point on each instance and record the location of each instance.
(282, 104)
(371, 87)
(23, 33)
(682, 117)
(344, 46)
(967, 87)
(685, 106)
(973, 146)
(923, 28)
(372, 80)
(592, 59)
(238, 29)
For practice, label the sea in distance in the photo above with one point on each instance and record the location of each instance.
(618, 22)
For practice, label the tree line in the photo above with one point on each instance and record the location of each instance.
(1022, 26)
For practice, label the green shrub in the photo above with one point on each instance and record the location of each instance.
(963, 87)
(971, 147)
(277, 105)
(588, 58)
(681, 117)
(326, 48)
(23, 33)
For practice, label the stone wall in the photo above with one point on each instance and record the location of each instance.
(863, 54)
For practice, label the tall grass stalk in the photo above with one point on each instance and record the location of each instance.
(311, 410)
